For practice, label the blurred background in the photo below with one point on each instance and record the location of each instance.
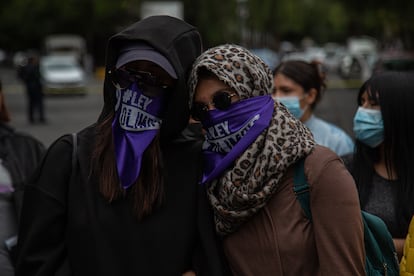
(352, 39)
(278, 25)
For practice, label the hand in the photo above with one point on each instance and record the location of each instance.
(399, 247)
(189, 273)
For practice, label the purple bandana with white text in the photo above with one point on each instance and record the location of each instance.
(230, 132)
(136, 123)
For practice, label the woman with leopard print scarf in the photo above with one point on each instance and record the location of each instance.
(251, 145)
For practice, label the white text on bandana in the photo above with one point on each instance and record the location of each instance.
(220, 139)
(133, 115)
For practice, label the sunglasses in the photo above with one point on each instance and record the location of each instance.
(150, 85)
(221, 100)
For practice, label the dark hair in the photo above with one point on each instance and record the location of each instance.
(394, 92)
(4, 112)
(204, 73)
(147, 192)
(307, 75)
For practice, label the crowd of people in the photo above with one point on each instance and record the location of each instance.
(190, 168)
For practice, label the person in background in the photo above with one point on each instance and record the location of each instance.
(20, 154)
(30, 75)
(299, 86)
(407, 260)
(384, 151)
(252, 144)
(133, 206)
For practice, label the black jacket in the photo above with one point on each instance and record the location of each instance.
(68, 228)
(20, 154)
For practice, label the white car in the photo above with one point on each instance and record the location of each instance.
(360, 58)
(62, 74)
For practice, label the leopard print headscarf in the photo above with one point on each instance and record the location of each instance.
(243, 189)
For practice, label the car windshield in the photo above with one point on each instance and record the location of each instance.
(59, 67)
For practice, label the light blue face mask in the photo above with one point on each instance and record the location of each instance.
(369, 126)
(292, 104)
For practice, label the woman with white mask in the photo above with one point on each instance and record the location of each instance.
(384, 151)
(299, 86)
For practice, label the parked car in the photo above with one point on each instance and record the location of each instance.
(395, 61)
(334, 53)
(62, 75)
(310, 54)
(359, 59)
(69, 44)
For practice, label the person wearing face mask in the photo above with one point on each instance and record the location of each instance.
(128, 202)
(384, 151)
(299, 86)
(251, 148)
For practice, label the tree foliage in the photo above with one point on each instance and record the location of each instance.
(264, 23)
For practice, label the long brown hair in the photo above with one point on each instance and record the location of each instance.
(147, 192)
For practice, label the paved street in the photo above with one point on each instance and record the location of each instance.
(64, 114)
(69, 114)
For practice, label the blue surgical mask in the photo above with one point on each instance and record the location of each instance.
(369, 126)
(292, 104)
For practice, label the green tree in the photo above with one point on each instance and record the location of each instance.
(25, 23)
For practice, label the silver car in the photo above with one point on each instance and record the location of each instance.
(62, 74)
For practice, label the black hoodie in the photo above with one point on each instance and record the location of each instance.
(67, 228)
(180, 43)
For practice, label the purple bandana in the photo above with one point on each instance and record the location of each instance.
(5, 189)
(135, 125)
(230, 132)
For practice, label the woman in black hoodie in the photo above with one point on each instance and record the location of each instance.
(130, 204)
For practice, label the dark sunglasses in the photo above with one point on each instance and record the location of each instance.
(151, 85)
(221, 100)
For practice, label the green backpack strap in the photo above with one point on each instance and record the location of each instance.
(301, 187)
(381, 257)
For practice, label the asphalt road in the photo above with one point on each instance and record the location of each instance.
(69, 114)
(64, 114)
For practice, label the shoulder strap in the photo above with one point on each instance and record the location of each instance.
(379, 247)
(301, 187)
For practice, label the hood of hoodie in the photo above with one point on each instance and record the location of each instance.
(180, 43)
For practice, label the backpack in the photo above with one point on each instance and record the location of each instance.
(381, 257)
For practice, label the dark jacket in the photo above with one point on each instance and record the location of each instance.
(74, 231)
(20, 154)
(30, 75)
